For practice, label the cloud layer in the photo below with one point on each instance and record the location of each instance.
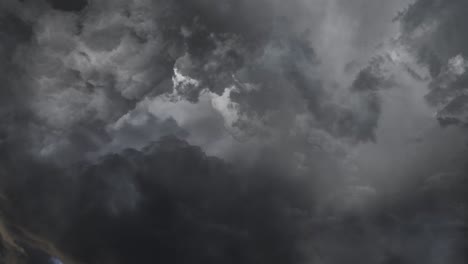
(232, 131)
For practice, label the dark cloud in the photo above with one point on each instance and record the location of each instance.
(111, 112)
(76, 93)
(283, 72)
(434, 32)
(169, 202)
(69, 6)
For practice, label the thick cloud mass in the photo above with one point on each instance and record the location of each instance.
(433, 31)
(168, 202)
(73, 5)
(219, 131)
(171, 202)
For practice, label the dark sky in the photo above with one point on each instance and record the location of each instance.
(221, 131)
(70, 6)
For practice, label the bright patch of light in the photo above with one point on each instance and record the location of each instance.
(457, 65)
(183, 82)
(224, 105)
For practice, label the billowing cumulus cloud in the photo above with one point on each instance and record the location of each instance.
(259, 131)
(87, 70)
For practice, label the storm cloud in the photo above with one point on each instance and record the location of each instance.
(190, 131)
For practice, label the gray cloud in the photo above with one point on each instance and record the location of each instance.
(433, 31)
(232, 131)
(179, 205)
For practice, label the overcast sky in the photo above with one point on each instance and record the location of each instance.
(222, 131)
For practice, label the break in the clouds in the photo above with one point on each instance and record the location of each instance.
(264, 131)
